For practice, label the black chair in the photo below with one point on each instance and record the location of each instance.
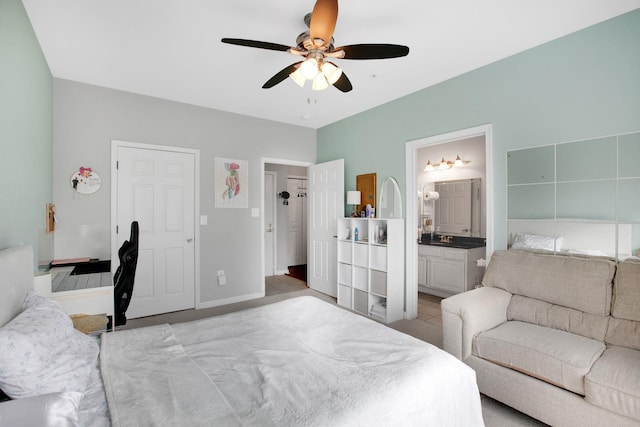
(125, 275)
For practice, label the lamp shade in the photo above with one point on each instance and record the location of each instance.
(353, 197)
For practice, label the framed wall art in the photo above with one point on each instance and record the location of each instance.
(231, 183)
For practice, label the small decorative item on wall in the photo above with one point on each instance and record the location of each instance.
(85, 181)
(50, 223)
(231, 183)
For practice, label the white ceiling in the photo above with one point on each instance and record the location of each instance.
(171, 49)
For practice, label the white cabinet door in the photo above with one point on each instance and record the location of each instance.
(446, 274)
(422, 270)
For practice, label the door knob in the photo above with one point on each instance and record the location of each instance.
(190, 239)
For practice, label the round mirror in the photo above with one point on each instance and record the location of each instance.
(390, 200)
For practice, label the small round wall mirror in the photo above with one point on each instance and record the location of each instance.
(390, 200)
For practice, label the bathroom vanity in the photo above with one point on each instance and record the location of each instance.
(449, 268)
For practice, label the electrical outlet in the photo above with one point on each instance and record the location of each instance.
(220, 273)
(222, 280)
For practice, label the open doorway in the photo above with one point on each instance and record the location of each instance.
(285, 226)
(417, 213)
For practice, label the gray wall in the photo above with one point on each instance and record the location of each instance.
(580, 86)
(87, 118)
(25, 133)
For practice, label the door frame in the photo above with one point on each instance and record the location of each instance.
(115, 145)
(411, 233)
(263, 162)
(274, 226)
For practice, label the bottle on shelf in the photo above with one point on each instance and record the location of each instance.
(355, 234)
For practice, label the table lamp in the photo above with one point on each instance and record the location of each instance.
(353, 198)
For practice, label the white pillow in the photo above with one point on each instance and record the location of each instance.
(48, 410)
(39, 352)
(535, 241)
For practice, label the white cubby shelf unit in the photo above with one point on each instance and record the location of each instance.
(371, 267)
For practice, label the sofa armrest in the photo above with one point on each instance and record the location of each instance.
(467, 314)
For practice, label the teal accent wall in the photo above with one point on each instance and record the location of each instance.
(581, 86)
(26, 88)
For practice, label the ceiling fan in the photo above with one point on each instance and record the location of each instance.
(317, 48)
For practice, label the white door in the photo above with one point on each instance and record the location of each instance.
(326, 205)
(297, 212)
(453, 212)
(157, 189)
(269, 223)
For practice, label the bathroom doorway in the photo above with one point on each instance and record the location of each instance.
(415, 174)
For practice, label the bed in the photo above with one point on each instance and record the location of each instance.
(297, 362)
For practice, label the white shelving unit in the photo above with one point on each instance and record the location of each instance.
(371, 267)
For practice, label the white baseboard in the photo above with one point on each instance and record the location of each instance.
(281, 272)
(240, 298)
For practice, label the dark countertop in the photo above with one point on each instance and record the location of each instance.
(456, 242)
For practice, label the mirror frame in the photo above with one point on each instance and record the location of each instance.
(397, 197)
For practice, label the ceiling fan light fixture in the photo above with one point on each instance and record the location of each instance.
(331, 72)
(309, 68)
(297, 77)
(315, 46)
(320, 82)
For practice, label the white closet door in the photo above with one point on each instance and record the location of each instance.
(157, 189)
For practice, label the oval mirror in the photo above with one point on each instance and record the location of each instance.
(390, 200)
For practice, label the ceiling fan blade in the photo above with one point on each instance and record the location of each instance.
(343, 84)
(373, 51)
(255, 43)
(281, 75)
(323, 20)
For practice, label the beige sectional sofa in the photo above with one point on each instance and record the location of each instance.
(554, 336)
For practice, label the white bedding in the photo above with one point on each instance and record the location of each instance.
(297, 362)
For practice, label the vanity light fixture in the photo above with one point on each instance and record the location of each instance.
(445, 164)
(429, 166)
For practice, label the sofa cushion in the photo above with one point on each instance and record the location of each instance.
(614, 381)
(625, 333)
(542, 313)
(626, 292)
(581, 283)
(624, 325)
(557, 357)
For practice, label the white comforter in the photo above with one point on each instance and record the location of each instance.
(297, 362)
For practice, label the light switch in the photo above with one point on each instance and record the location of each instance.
(204, 220)
(255, 212)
